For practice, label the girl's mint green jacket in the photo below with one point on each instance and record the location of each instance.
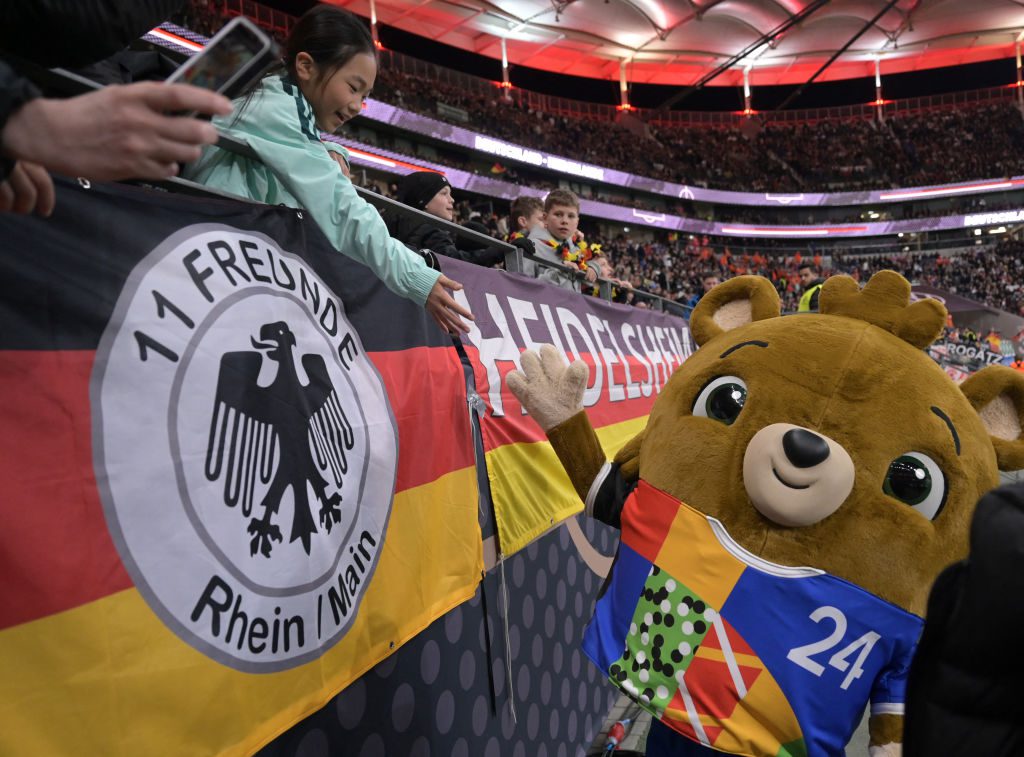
(295, 170)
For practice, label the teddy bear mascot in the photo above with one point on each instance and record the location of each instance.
(800, 483)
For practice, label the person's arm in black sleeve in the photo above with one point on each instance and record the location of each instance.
(489, 256)
(77, 32)
(15, 91)
(608, 495)
(493, 255)
(441, 242)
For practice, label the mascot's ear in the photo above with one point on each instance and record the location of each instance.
(628, 457)
(997, 393)
(732, 304)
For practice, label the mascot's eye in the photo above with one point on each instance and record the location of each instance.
(721, 400)
(917, 480)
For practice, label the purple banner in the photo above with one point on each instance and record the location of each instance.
(631, 350)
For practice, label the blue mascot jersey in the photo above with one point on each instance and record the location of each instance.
(737, 653)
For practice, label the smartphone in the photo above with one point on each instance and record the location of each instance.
(233, 59)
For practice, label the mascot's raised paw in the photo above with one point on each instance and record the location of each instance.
(550, 390)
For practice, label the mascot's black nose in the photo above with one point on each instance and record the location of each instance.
(804, 449)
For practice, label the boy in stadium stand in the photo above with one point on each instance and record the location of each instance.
(525, 215)
(558, 240)
(811, 281)
(430, 192)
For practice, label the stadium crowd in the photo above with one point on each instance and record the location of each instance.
(529, 177)
(911, 150)
(993, 275)
(675, 266)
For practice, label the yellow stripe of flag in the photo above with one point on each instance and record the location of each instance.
(108, 678)
(530, 489)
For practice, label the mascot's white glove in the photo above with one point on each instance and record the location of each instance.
(551, 391)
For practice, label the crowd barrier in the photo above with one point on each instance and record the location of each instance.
(239, 474)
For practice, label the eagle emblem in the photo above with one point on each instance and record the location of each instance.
(283, 435)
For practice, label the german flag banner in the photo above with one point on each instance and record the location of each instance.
(237, 473)
(631, 353)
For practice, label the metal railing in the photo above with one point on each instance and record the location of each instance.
(969, 98)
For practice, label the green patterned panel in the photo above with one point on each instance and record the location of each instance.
(666, 630)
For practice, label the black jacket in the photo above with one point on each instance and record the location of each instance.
(15, 91)
(66, 33)
(422, 235)
(964, 691)
(77, 32)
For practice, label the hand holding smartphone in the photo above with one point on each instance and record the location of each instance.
(231, 61)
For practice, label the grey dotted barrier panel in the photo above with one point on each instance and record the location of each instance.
(442, 694)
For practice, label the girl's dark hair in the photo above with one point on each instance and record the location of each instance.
(330, 36)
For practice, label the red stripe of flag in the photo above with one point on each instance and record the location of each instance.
(55, 551)
(426, 389)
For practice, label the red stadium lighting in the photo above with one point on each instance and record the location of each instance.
(378, 44)
(624, 107)
(747, 112)
(879, 103)
(388, 162)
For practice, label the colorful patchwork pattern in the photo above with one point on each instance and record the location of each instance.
(735, 653)
(668, 626)
(687, 667)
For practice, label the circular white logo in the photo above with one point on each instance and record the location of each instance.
(244, 448)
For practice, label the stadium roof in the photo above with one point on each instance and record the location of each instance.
(676, 42)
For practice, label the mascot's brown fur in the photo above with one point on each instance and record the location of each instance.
(855, 376)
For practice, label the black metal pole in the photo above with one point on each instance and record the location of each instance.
(840, 51)
(765, 39)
